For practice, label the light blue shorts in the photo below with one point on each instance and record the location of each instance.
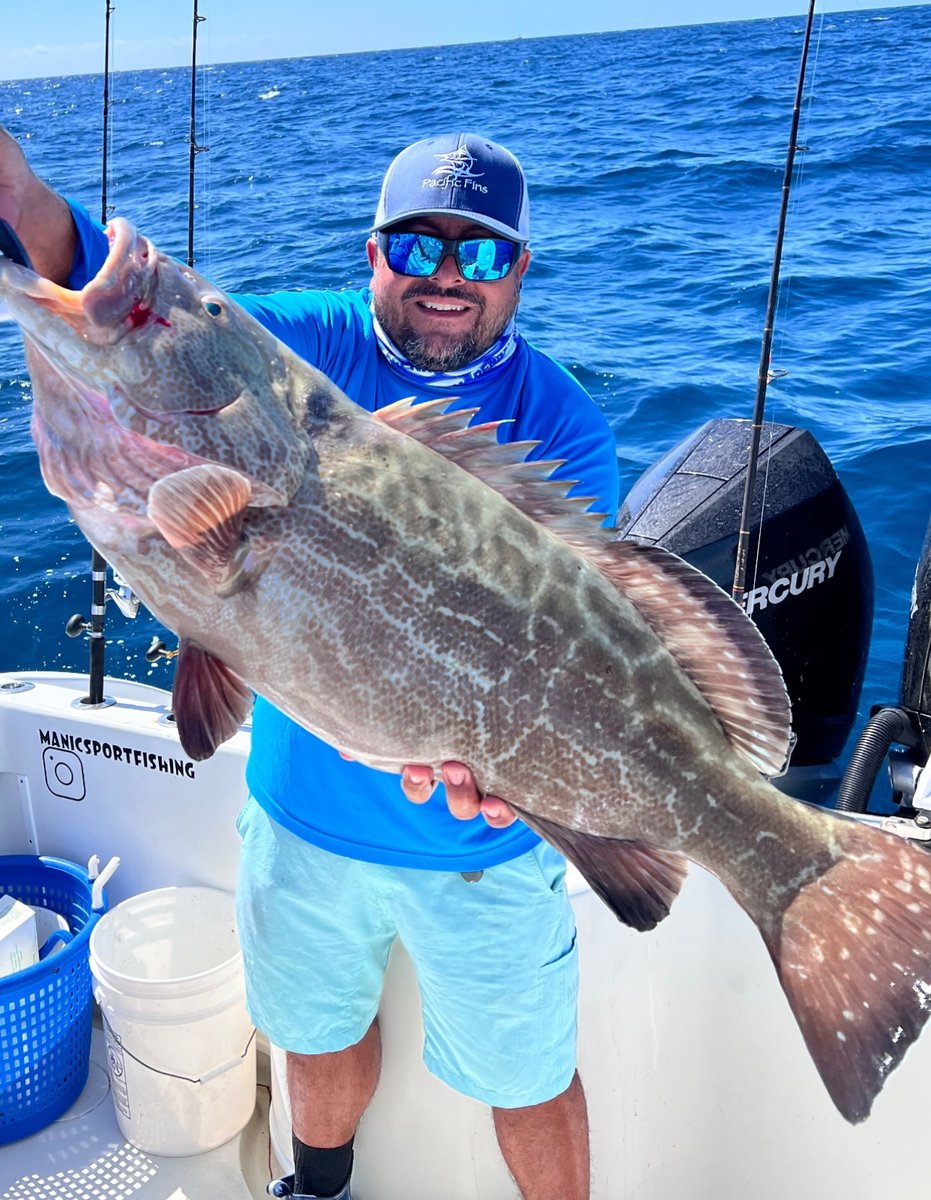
(496, 960)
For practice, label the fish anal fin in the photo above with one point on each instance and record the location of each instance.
(209, 701)
(853, 954)
(199, 512)
(713, 641)
(637, 880)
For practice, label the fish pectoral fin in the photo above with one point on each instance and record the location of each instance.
(209, 701)
(853, 955)
(199, 512)
(637, 880)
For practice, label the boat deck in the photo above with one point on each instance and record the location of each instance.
(83, 1155)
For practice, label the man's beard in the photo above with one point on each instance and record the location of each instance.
(438, 352)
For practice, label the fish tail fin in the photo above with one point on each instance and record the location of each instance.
(853, 954)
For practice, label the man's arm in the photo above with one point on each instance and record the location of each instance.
(40, 217)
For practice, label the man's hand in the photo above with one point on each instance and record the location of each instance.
(39, 216)
(463, 797)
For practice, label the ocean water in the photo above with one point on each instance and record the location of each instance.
(655, 161)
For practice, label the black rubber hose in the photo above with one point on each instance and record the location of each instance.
(882, 729)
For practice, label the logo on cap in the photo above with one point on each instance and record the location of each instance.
(456, 171)
(459, 164)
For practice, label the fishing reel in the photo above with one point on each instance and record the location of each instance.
(122, 596)
(158, 650)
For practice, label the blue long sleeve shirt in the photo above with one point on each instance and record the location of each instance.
(300, 781)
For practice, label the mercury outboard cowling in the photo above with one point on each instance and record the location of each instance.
(809, 581)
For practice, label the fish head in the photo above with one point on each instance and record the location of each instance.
(151, 369)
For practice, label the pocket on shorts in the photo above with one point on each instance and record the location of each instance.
(557, 1001)
(550, 867)
(242, 817)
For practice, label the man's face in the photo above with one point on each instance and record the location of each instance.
(443, 322)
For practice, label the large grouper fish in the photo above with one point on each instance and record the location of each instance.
(411, 591)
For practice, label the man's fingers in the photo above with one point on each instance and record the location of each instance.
(417, 782)
(498, 814)
(462, 795)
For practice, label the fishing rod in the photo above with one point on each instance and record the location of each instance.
(104, 168)
(756, 429)
(77, 624)
(195, 149)
(157, 648)
(100, 593)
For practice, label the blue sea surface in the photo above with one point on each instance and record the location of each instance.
(655, 160)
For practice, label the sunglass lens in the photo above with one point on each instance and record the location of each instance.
(485, 259)
(413, 253)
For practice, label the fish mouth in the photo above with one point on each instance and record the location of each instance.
(114, 302)
(133, 406)
(117, 299)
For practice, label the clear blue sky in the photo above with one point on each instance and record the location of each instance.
(58, 37)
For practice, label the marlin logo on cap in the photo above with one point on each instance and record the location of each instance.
(459, 164)
(456, 171)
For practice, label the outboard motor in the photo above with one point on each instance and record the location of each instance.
(810, 578)
(901, 734)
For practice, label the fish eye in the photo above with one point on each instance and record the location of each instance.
(212, 307)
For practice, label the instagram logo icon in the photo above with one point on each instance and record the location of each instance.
(64, 773)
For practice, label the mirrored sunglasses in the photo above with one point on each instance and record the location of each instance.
(480, 260)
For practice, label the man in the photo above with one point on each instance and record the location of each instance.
(336, 863)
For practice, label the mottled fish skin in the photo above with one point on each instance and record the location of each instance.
(360, 573)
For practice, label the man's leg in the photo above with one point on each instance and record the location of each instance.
(546, 1146)
(330, 1092)
(497, 968)
(314, 972)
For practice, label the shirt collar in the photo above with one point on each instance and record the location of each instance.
(491, 361)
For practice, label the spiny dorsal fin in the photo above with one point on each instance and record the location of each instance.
(711, 638)
(504, 466)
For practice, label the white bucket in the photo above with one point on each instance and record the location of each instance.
(180, 1046)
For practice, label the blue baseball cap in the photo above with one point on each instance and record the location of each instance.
(461, 175)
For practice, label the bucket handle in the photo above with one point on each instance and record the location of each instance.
(99, 878)
(207, 1075)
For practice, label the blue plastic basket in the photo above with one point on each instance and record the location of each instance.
(45, 1011)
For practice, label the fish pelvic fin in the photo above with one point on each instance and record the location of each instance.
(853, 955)
(199, 512)
(209, 701)
(637, 881)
